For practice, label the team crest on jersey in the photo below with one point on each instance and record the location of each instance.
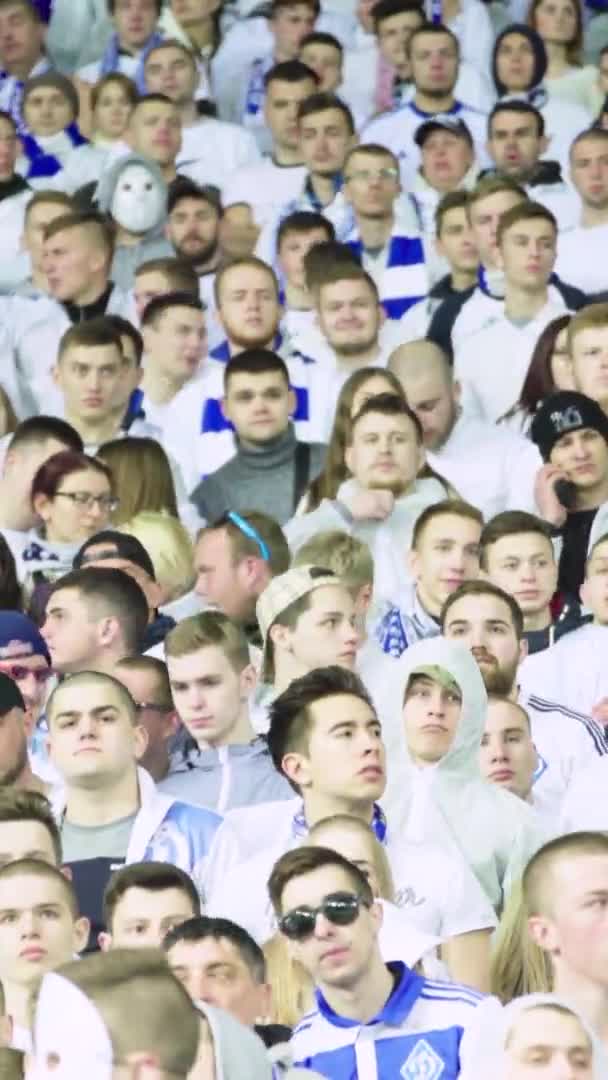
(422, 1063)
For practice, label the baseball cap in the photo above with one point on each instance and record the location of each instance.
(563, 413)
(114, 545)
(437, 674)
(442, 123)
(20, 637)
(284, 590)
(10, 695)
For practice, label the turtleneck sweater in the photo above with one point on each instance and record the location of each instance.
(257, 478)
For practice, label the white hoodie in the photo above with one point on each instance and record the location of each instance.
(449, 804)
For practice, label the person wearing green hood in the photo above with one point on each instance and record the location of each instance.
(436, 793)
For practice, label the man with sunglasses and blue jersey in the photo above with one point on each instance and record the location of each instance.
(370, 1020)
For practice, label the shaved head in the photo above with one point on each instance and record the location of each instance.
(425, 373)
(417, 358)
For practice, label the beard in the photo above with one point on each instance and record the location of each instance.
(354, 348)
(196, 256)
(498, 680)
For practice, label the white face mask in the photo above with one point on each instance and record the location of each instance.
(71, 1041)
(138, 203)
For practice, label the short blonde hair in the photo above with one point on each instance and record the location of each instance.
(592, 317)
(209, 629)
(347, 556)
(170, 547)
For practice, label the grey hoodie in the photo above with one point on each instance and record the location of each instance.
(450, 803)
(153, 244)
(230, 776)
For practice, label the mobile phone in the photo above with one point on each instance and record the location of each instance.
(566, 492)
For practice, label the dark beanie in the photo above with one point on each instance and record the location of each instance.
(538, 47)
(57, 82)
(562, 413)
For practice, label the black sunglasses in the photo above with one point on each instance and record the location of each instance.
(339, 908)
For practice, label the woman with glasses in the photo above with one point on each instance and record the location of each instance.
(73, 497)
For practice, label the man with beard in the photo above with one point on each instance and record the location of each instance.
(384, 493)
(434, 56)
(16, 771)
(492, 468)
(193, 227)
(199, 435)
(490, 623)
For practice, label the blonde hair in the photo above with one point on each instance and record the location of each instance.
(142, 477)
(292, 986)
(518, 966)
(170, 547)
(209, 629)
(348, 557)
(378, 854)
(592, 317)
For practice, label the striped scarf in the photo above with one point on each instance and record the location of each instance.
(378, 824)
(111, 57)
(405, 277)
(41, 163)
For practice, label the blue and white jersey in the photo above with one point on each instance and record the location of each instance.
(425, 1031)
(396, 131)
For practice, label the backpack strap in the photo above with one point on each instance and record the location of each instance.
(301, 470)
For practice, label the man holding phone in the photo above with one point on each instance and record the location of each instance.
(571, 432)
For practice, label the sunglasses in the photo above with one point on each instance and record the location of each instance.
(17, 672)
(339, 908)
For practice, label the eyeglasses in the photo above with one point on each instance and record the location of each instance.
(249, 531)
(365, 175)
(339, 908)
(17, 672)
(86, 501)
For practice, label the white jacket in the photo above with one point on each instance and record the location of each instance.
(166, 830)
(572, 673)
(492, 468)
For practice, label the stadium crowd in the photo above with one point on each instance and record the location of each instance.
(303, 540)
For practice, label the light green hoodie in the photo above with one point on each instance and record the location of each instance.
(450, 803)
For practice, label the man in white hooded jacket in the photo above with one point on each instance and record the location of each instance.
(436, 792)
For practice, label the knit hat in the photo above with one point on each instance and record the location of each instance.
(10, 695)
(57, 82)
(284, 590)
(538, 48)
(562, 413)
(442, 123)
(114, 545)
(20, 637)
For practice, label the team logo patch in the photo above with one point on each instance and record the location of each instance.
(422, 1063)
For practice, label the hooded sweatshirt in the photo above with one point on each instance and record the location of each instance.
(224, 777)
(449, 804)
(152, 245)
(495, 1061)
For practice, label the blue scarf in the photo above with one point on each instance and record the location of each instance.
(312, 197)
(256, 88)
(110, 59)
(41, 163)
(378, 823)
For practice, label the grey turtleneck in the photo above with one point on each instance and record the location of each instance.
(257, 478)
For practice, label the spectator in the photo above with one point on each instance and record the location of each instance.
(235, 558)
(33, 442)
(93, 619)
(147, 681)
(271, 468)
(142, 478)
(550, 370)
(580, 247)
(222, 764)
(145, 901)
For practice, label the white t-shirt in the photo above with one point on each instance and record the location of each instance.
(265, 187)
(581, 258)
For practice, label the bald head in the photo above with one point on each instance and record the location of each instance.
(425, 373)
